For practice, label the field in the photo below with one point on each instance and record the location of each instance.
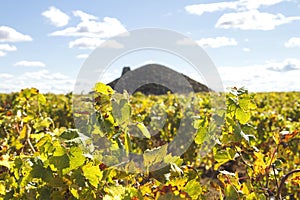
(149, 147)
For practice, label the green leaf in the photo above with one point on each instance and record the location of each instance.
(121, 111)
(39, 171)
(44, 193)
(42, 124)
(92, 174)
(224, 156)
(231, 193)
(57, 195)
(193, 188)
(242, 116)
(247, 103)
(60, 162)
(116, 191)
(58, 149)
(125, 110)
(116, 111)
(78, 178)
(76, 158)
(127, 143)
(201, 135)
(17, 167)
(239, 134)
(173, 159)
(46, 139)
(231, 106)
(254, 196)
(154, 156)
(41, 99)
(70, 134)
(144, 130)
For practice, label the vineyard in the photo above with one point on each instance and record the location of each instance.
(248, 149)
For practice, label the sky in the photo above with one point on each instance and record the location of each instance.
(253, 43)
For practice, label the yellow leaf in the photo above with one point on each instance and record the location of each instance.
(75, 193)
(296, 180)
(2, 188)
(4, 161)
(259, 163)
(92, 173)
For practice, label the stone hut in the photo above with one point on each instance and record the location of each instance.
(156, 79)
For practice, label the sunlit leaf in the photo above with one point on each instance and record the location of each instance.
(201, 135)
(193, 188)
(74, 193)
(92, 173)
(154, 156)
(103, 89)
(144, 130)
(223, 156)
(242, 115)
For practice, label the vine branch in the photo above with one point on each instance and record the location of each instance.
(283, 179)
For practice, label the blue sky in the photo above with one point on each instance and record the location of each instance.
(253, 43)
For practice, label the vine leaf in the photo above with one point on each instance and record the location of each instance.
(144, 130)
(154, 156)
(193, 188)
(92, 174)
(242, 116)
(103, 89)
(223, 156)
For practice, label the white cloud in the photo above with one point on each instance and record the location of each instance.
(86, 43)
(56, 16)
(285, 66)
(43, 74)
(5, 76)
(8, 34)
(43, 80)
(2, 54)
(84, 16)
(93, 32)
(109, 27)
(241, 5)
(246, 49)
(92, 43)
(199, 9)
(186, 42)
(255, 4)
(245, 15)
(82, 56)
(271, 76)
(26, 63)
(253, 20)
(7, 47)
(216, 42)
(293, 42)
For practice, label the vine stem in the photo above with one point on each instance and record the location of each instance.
(270, 165)
(28, 138)
(283, 179)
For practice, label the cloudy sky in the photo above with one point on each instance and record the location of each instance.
(253, 43)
